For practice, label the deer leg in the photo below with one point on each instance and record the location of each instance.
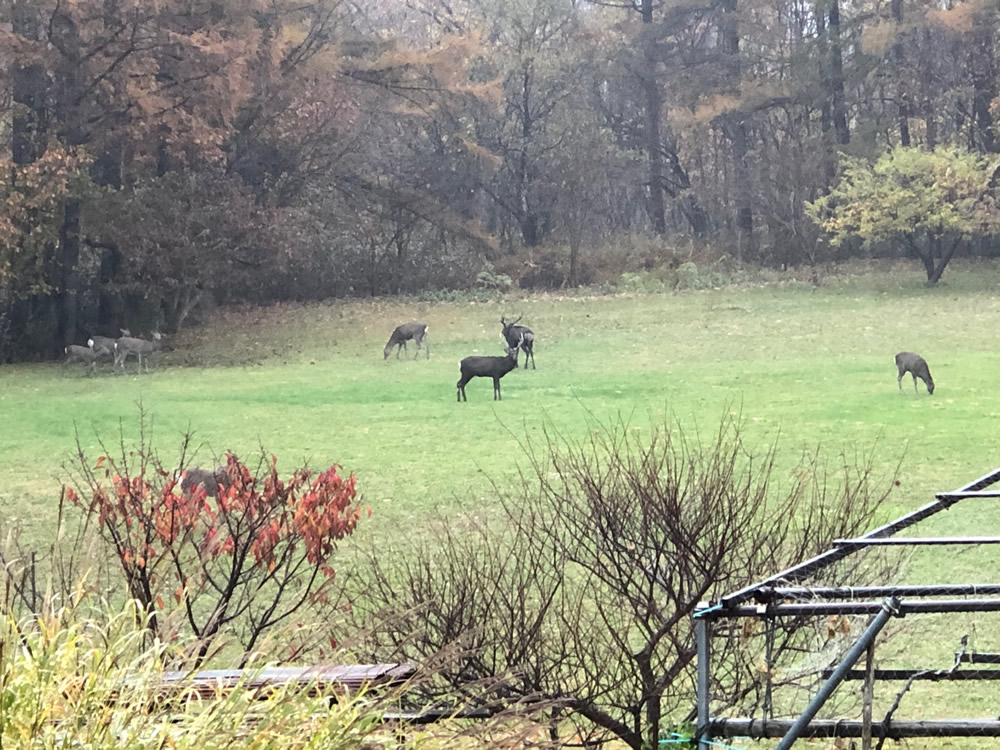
(496, 390)
(914, 381)
(899, 382)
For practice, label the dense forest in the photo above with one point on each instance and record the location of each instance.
(157, 156)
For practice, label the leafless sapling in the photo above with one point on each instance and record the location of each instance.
(486, 367)
(519, 337)
(417, 332)
(908, 362)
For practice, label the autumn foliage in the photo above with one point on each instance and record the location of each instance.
(238, 563)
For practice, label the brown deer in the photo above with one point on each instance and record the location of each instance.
(211, 480)
(76, 353)
(908, 362)
(415, 332)
(519, 337)
(140, 348)
(486, 367)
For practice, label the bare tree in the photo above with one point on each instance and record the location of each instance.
(577, 600)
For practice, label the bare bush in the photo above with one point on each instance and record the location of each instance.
(577, 600)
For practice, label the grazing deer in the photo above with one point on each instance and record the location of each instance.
(908, 362)
(519, 337)
(486, 367)
(83, 354)
(212, 480)
(416, 332)
(141, 348)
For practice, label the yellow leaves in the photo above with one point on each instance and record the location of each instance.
(961, 19)
(835, 626)
(483, 154)
(878, 37)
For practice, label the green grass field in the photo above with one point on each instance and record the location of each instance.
(308, 383)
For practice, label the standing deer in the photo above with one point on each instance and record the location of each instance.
(141, 348)
(211, 480)
(416, 332)
(486, 367)
(103, 346)
(519, 337)
(88, 356)
(908, 362)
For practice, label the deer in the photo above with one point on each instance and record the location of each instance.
(908, 362)
(141, 348)
(85, 354)
(417, 332)
(486, 367)
(102, 345)
(211, 479)
(519, 337)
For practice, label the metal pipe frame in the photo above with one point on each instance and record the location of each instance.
(803, 570)
(925, 606)
(958, 675)
(772, 595)
(982, 657)
(703, 645)
(870, 592)
(889, 609)
(914, 541)
(895, 730)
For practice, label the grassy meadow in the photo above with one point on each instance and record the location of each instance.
(806, 365)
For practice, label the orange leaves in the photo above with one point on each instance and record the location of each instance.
(261, 537)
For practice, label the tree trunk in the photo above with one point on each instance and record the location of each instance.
(30, 85)
(927, 91)
(944, 256)
(737, 132)
(984, 85)
(826, 108)
(837, 76)
(528, 219)
(654, 144)
(899, 65)
(68, 259)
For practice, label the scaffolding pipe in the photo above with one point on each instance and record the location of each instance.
(943, 501)
(898, 729)
(889, 608)
(916, 541)
(702, 643)
(945, 675)
(870, 592)
(929, 606)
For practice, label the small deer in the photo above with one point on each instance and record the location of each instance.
(519, 337)
(416, 332)
(908, 362)
(211, 479)
(486, 367)
(88, 356)
(141, 348)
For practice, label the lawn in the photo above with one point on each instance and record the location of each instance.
(804, 365)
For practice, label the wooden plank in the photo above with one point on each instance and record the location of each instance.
(324, 679)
